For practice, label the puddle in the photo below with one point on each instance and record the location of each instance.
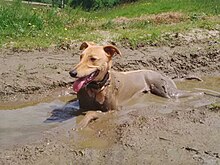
(21, 122)
(210, 85)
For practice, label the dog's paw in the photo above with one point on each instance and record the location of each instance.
(90, 116)
(83, 124)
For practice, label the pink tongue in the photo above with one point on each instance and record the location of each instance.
(78, 84)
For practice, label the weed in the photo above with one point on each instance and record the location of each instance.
(215, 107)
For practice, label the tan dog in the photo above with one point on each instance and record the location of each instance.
(100, 89)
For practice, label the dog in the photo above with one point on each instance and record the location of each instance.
(99, 88)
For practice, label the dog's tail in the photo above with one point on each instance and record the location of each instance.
(209, 92)
(193, 78)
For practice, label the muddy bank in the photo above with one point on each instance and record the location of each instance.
(147, 130)
(175, 62)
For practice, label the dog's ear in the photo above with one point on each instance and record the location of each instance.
(111, 50)
(85, 45)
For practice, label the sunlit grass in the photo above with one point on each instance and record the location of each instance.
(25, 26)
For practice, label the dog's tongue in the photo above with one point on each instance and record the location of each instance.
(78, 84)
(81, 82)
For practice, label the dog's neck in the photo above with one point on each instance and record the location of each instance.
(98, 85)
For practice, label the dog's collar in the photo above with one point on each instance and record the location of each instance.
(99, 84)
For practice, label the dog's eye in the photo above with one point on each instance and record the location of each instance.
(93, 59)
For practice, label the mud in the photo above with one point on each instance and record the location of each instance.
(37, 109)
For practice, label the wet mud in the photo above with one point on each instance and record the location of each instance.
(37, 110)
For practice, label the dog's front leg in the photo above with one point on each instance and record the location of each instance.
(90, 116)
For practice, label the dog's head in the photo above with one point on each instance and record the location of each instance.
(95, 61)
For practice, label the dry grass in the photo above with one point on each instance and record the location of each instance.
(162, 18)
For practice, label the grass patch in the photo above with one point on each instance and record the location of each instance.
(215, 107)
(25, 26)
(137, 9)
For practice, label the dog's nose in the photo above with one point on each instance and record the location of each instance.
(73, 73)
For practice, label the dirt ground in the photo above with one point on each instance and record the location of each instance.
(149, 130)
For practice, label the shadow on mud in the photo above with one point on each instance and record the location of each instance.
(69, 110)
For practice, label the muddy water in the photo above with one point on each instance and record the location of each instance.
(210, 86)
(20, 124)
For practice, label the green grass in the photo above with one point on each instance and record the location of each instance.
(215, 107)
(211, 7)
(25, 26)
